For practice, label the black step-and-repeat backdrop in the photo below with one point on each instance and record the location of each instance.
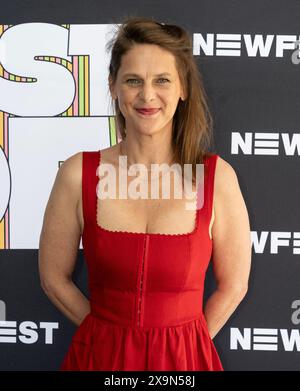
(54, 102)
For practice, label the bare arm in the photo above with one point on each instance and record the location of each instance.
(231, 257)
(59, 242)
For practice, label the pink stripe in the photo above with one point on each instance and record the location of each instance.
(5, 146)
(5, 134)
(75, 74)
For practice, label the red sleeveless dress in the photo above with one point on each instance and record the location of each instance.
(146, 292)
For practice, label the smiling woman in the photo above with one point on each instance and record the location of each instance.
(147, 258)
(145, 93)
(152, 67)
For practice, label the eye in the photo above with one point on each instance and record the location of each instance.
(164, 80)
(132, 81)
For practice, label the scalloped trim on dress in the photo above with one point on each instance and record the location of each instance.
(196, 218)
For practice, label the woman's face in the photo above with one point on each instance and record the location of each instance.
(147, 79)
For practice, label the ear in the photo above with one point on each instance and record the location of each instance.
(111, 87)
(182, 95)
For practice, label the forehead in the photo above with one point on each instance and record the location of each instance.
(143, 58)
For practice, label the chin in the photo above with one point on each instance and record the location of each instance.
(146, 129)
(149, 131)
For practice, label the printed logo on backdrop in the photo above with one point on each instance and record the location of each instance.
(255, 45)
(2, 311)
(268, 339)
(250, 45)
(26, 332)
(272, 242)
(54, 102)
(259, 143)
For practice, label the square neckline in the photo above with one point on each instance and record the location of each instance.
(133, 233)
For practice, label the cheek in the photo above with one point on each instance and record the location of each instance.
(171, 94)
(172, 100)
(127, 96)
(127, 100)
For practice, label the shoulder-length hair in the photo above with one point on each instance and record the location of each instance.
(192, 135)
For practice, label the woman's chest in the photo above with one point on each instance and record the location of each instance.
(161, 214)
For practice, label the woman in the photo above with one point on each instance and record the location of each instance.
(147, 258)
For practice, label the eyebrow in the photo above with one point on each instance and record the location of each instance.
(136, 75)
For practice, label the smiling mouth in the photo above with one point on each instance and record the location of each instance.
(147, 112)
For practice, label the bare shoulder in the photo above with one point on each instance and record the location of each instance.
(229, 204)
(227, 193)
(71, 167)
(226, 179)
(69, 176)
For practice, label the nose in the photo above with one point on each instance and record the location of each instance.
(147, 92)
